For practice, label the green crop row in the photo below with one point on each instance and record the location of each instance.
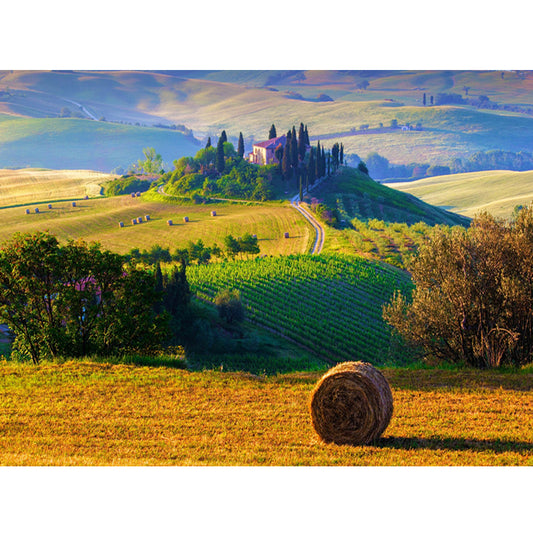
(330, 304)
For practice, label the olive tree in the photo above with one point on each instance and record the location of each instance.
(473, 295)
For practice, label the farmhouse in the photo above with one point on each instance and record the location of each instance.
(264, 153)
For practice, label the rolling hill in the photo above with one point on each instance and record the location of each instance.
(495, 191)
(74, 143)
(249, 101)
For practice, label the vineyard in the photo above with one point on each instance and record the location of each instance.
(331, 305)
(392, 242)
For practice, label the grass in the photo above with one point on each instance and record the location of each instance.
(98, 219)
(101, 414)
(495, 191)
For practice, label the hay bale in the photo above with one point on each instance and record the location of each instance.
(139, 219)
(121, 224)
(286, 235)
(86, 197)
(185, 219)
(213, 213)
(147, 217)
(49, 206)
(27, 211)
(133, 195)
(36, 209)
(73, 204)
(169, 222)
(137, 194)
(351, 404)
(134, 221)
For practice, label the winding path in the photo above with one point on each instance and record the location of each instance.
(319, 229)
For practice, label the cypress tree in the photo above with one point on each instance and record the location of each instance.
(240, 146)
(307, 136)
(272, 133)
(311, 167)
(294, 148)
(341, 154)
(318, 166)
(328, 157)
(323, 162)
(208, 144)
(301, 142)
(223, 136)
(335, 155)
(219, 157)
(286, 161)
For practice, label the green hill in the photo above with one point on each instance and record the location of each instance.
(356, 195)
(495, 191)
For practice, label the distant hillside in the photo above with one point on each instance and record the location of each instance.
(489, 109)
(495, 191)
(70, 143)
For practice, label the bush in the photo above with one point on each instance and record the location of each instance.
(229, 305)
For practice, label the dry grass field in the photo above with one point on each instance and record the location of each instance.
(98, 219)
(495, 191)
(28, 186)
(101, 414)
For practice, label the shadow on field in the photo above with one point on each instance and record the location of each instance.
(443, 443)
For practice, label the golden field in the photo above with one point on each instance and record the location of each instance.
(85, 413)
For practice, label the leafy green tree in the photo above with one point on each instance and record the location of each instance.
(231, 246)
(473, 296)
(152, 163)
(74, 300)
(240, 146)
(272, 133)
(249, 245)
(229, 305)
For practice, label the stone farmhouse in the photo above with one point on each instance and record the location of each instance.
(264, 153)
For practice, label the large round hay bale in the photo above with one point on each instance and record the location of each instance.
(351, 404)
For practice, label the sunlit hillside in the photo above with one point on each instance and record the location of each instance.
(495, 191)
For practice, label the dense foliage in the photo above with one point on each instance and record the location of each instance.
(234, 177)
(473, 300)
(74, 300)
(126, 185)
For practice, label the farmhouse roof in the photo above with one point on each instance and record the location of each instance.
(271, 142)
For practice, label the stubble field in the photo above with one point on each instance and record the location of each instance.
(102, 414)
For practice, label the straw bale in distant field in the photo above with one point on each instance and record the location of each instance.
(351, 404)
